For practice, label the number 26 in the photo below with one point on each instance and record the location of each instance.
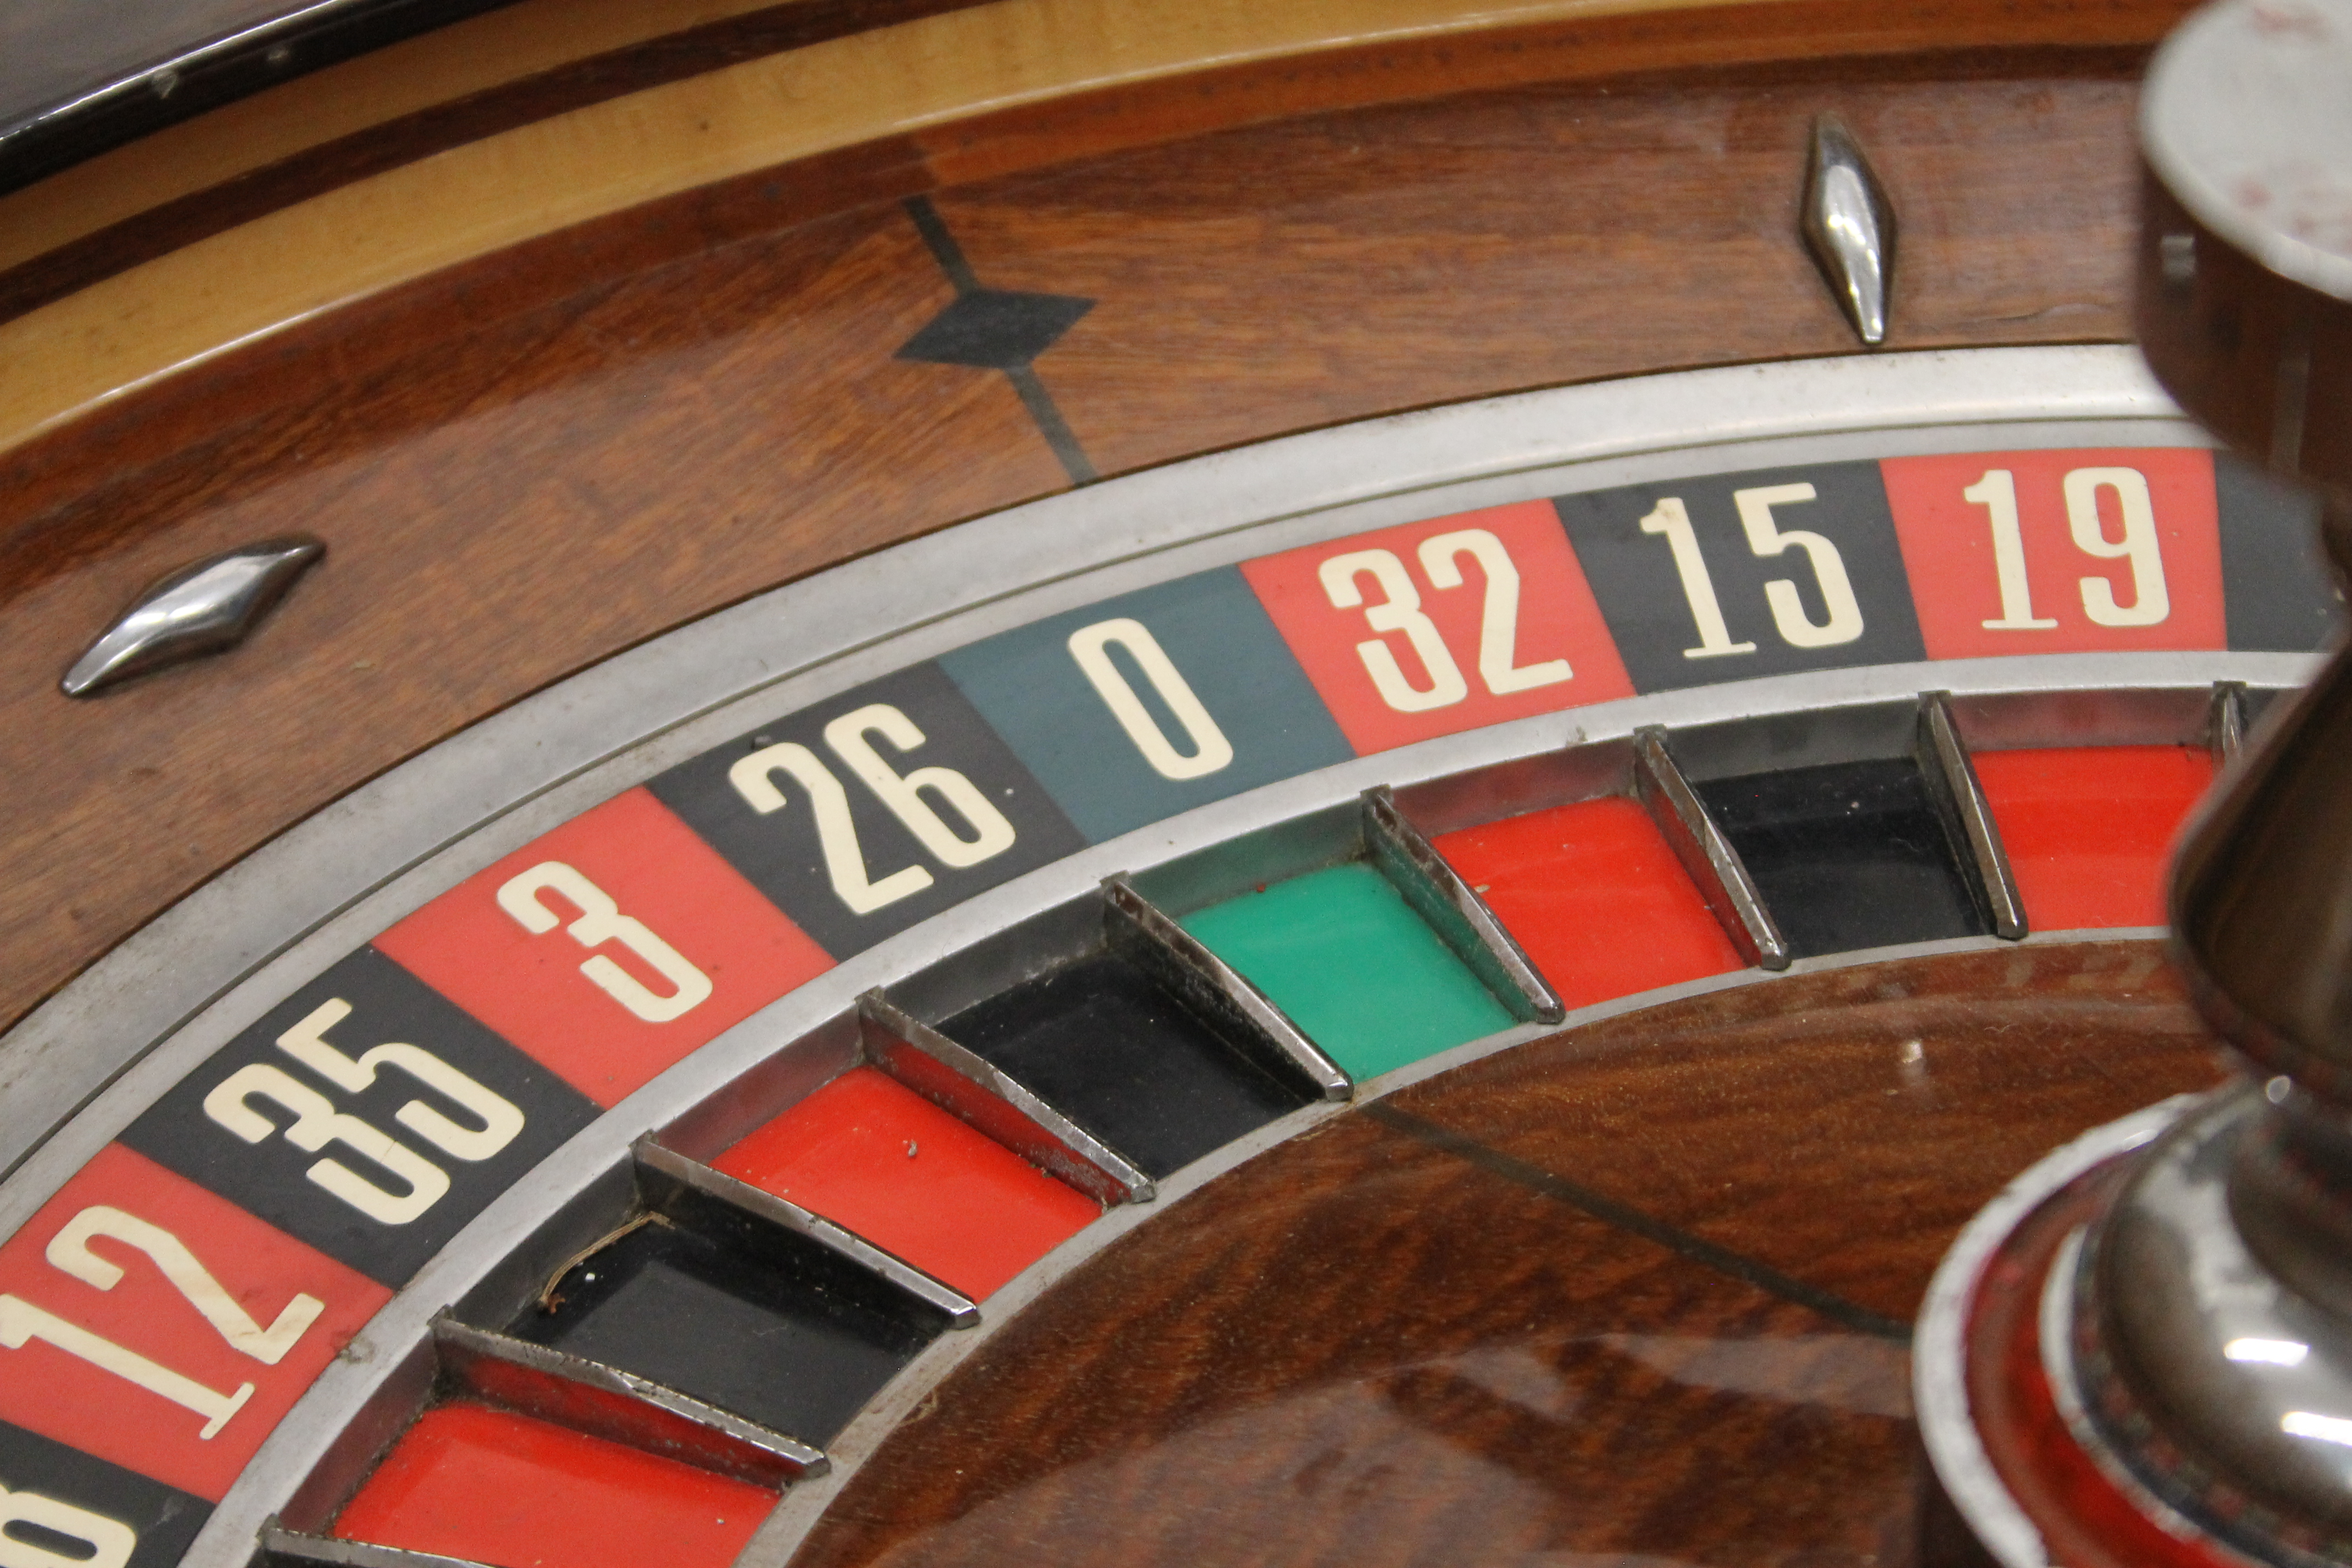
(849, 737)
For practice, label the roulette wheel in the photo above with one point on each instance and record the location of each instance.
(1048, 782)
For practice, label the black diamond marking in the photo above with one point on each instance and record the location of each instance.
(992, 329)
(995, 329)
(1048, 416)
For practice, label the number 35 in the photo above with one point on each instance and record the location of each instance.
(318, 1123)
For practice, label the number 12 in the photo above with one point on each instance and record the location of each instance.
(69, 1252)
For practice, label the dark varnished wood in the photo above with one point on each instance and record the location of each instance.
(528, 463)
(1785, 1121)
(535, 483)
(1646, 226)
(1067, 126)
(1364, 1348)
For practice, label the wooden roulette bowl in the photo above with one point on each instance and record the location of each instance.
(672, 390)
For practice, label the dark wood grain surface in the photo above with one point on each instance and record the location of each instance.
(1431, 1332)
(526, 464)
(1052, 131)
(1331, 267)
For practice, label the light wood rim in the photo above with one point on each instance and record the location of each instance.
(227, 290)
(441, 67)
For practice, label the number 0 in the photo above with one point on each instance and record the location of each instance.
(1090, 646)
(110, 1541)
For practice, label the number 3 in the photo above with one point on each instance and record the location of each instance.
(601, 920)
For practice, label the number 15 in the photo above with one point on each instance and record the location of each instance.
(1766, 537)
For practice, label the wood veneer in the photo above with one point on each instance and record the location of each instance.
(1364, 1347)
(539, 59)
(518, 53)
(155, 197)
(1329, 268)
(529, 462)
(476, 198)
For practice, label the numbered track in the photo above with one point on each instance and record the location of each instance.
(765, 1038)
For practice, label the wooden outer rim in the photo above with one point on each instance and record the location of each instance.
(525, 463)
(475, 56)
(519, 64)
(346, 243)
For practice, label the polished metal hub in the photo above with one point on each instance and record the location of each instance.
(2196, 1335)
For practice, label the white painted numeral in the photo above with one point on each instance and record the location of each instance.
(991, 834)
(1669, 519)
(601, 920)
(1090, 646)
(2151, 602)
(1399, 611)
(1766, 537)
(318, 1123)
(69, 1252)
(110, 1541)
(21, 1323)
(836, 831)
(844, 860)
(1997, 493)
(500, 1118)
(1499, 623)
